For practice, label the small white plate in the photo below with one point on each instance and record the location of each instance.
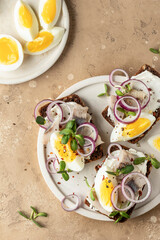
(32, 66)
(88, 90)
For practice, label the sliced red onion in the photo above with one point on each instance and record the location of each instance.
(38, 106)
(77, 205)
(49, 160)
(118, 103)
(92, 126)
(90, 145)
(111, 145)
(51, 106)
(132, 197)
(143, 105)
(123, 184)
(113, 72)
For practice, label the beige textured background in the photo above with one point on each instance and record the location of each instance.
(105, 34)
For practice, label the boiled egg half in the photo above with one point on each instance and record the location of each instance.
(64, 152)
(125, 132)
(49, 11)
(44, 41)
(11, 53)
(154, 142)
(25, 21)
(104, 185)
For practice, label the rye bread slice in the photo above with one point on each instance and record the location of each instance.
(129, 212)
(156, 114)
(98, 153)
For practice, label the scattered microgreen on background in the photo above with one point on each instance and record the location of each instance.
(105, 93)
(34, 214)
(92, 191)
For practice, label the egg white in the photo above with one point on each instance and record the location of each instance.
(58, 10)
(116, 134)
(57, 32)
(17, 64)
(76, 165)
(28, 34)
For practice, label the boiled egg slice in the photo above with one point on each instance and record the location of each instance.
(104, 185)
(25, 21)
(154, 142)
(11, 53)
(49, 11)
(44, 41)
(125, 132)
(64, 152)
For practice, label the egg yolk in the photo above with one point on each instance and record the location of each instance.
(25, 17)
(64, 150)
(156, 143)
(136, 128)
(106, 189)
(41, 42)
(8, 51)
(49, 11)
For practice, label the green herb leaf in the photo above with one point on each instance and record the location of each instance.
(74, 128)
(101, 94)
(92, 195)
(23, 215)
(65, 176)
(34, 209)
(37, 223)
(154, 50)
(124, 214)
(128, 86)
(70, 124)
(131, 113)
(40, 120)
(62, 165)
(127, 169)
(85, 178)
(121, 110)
(114, 213)
(66, 131)
(119, 219)
(80, 139)
(32, 215)
(106, 89)
(74, 145)
(69, 170)
(139, 160)
(42, 214)
(111, 173)
(155, 163)
(119, 93)
(65, 139)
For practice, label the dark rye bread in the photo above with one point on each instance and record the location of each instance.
(129, 212)
(156, 114)
(98, 153)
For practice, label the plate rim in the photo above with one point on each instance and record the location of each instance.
(48, 179)
(47, 66)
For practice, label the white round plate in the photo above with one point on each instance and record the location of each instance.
(32, 66)
(88, 90)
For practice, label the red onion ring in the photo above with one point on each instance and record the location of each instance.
(116, 105)
(112, 73)
(123, 187)
(92, 126)
(92, 144)
(132, 197)
(111, 145)
(40, 104)
(78, 203)
(131, 108)
(50, 107)
(54, 159)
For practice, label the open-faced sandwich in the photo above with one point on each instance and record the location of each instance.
(69, 128)
(119, 182)
(135, 106)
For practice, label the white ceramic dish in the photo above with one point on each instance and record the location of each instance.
(88, 90)
(32, 66)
